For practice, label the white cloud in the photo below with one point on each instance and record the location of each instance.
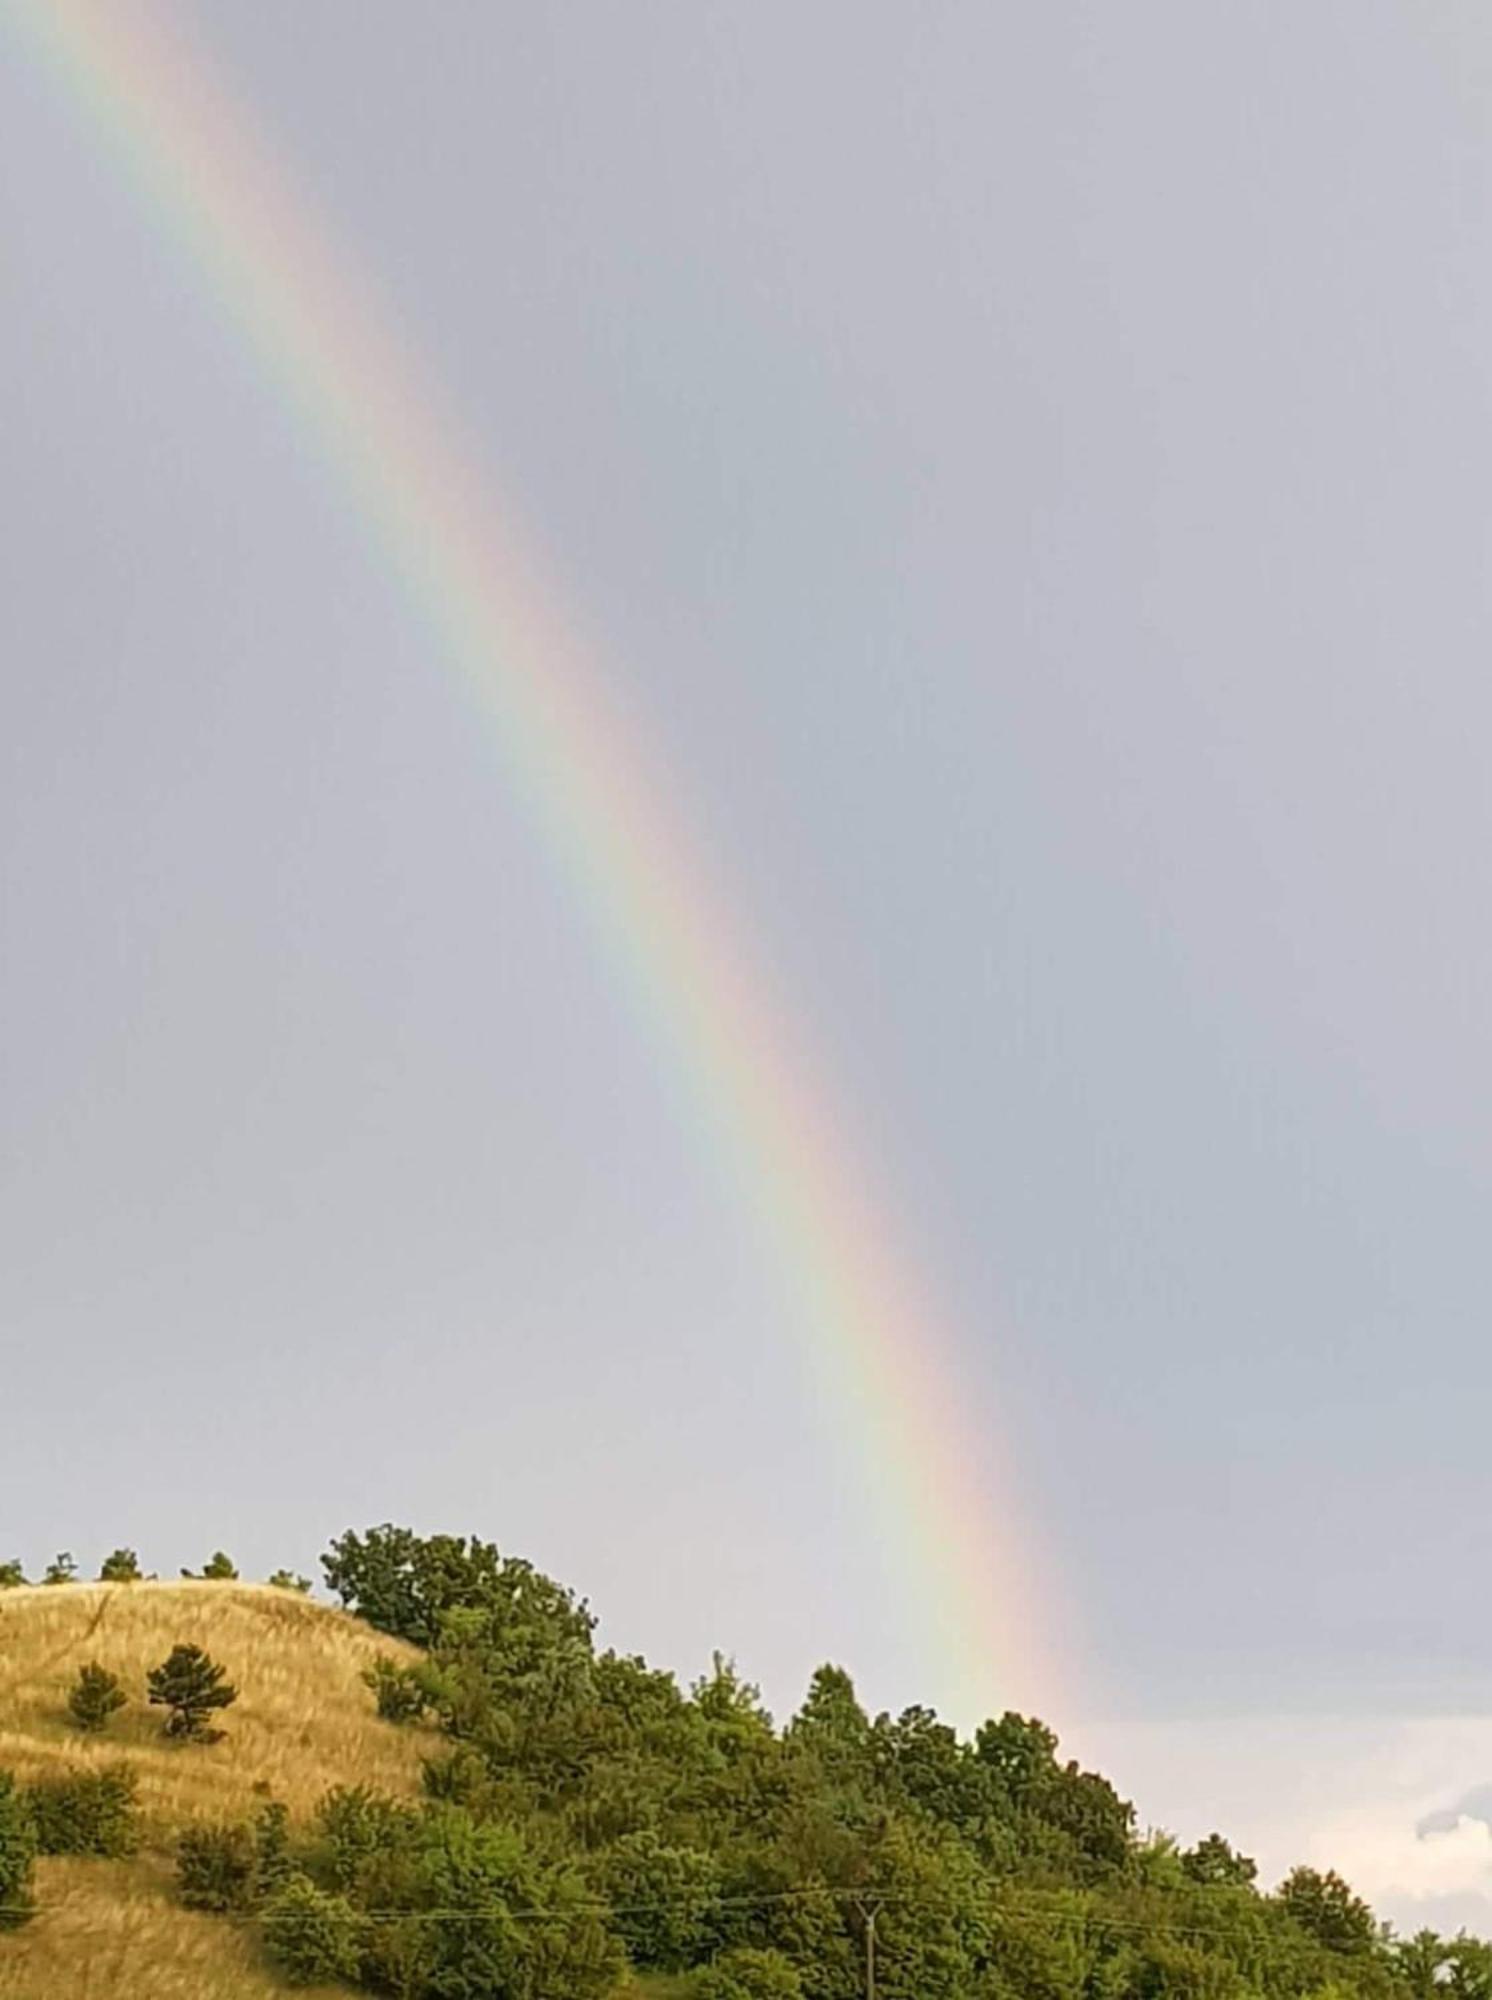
(1393, 1804)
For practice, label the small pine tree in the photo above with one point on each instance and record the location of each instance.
(61, 1569)
(94, 1697)
(12, 1576)
(191, 1685)
(285, 1579)
(123, 1566)
(219, 1568)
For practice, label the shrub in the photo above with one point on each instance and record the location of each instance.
(123, 1566)
(744, 1974)
(216, 1868)
(191, 1685)
(61, 1569)
(396, 1690)
(85, 1812)
(273, 1864)
(12, 1576)
(360, 1826)
(313, 1937)
(17, 1852)
(94, 1697)
(219, 1568)
(284, 1579)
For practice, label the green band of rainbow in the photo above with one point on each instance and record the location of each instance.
(881, 1365)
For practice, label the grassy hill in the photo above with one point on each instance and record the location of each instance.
(304, 1721)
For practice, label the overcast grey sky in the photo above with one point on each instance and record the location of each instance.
(1027, 467)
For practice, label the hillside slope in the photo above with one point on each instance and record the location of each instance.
(303, 1722)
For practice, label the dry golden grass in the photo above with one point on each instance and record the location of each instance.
(110, 1930)
(303, 1722)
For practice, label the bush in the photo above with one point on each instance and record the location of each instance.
(94, 1697)
(12, 1576)
(85, 1812)
(273, 1862)
(17, 1852)
(396, 1690)
(284, 1579)
(123, 1566)
(217, 1868)
(744, 1974)
(61, 1569)
(191, 1685)
(313, 1937)
(359, 1827)
(219, 1568)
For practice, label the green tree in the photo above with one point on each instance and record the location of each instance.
(284, 1579)
(192, 1687)
(1327, 1910)
(529, 1928)
(123, 1566)
(12, 1576)
(17, 1852)
(219, 1568)
(94, 1697)
(1213, 1861)
(315, 1938)
(1420, 1962)
(407, 1584)
(663, 1899)
(61, 1569)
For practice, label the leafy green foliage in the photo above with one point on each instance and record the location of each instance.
(398, 1691)
(1213, 1860)
(17, 1852)
(122, 1566)
(219, 1568)
(407, 1584)
(61, 1569)
(216, 1868)
(12, 1576)
(312, 1935)
(1324, 1906)
(747, 1974)
(285, 1579)
(94, 1696)
(85, 1812)
(663, 1899)
(193, 1687)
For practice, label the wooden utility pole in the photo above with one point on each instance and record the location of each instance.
(868, 1912)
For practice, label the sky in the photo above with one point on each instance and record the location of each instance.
(1023, 472)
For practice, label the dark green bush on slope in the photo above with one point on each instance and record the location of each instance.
(85, 1812)
(17, 1852)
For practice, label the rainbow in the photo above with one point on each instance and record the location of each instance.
(877, 1357)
